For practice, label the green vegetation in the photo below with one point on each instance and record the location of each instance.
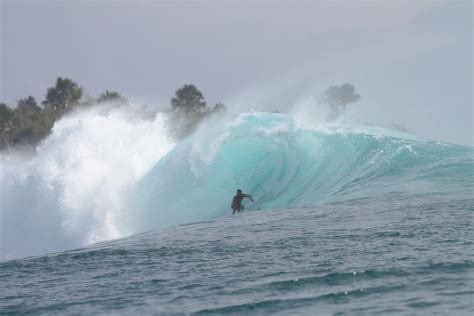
(65, 94)
(189, 109)
(189, 99)
(28, 123)
(111, 96)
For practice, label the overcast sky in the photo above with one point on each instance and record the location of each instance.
(411, 61)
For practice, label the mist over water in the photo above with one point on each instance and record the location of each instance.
(106, 173)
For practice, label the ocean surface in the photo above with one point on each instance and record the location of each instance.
(346, 220)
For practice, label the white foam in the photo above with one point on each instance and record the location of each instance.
(73, 191)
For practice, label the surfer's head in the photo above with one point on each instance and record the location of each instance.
(239, 191)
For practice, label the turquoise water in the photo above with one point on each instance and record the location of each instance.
(284, 166)
(346, 220)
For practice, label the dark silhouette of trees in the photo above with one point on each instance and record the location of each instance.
(189, 99)
(111, 96)
(5, 113)
(189, 110)
(64, 95)
(28, 107)
(219, 107)
(28, 123)
(6, 123)
(337, 97)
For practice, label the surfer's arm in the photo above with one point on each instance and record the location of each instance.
(248, 196)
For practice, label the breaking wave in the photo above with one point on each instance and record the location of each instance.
(102, 174)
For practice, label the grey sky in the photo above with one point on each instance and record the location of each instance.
(410, 60)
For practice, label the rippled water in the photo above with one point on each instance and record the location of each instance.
(394, 254)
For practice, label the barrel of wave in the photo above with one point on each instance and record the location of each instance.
(279, 164)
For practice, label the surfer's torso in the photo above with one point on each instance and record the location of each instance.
(236, 201)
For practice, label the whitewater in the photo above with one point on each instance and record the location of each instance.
(112, 216)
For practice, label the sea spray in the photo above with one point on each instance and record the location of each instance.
(72, 192)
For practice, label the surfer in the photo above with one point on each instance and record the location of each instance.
(237, 201)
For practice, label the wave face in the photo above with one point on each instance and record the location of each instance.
(284, 166)
(102, 175)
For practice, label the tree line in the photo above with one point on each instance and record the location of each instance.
(29, 123)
